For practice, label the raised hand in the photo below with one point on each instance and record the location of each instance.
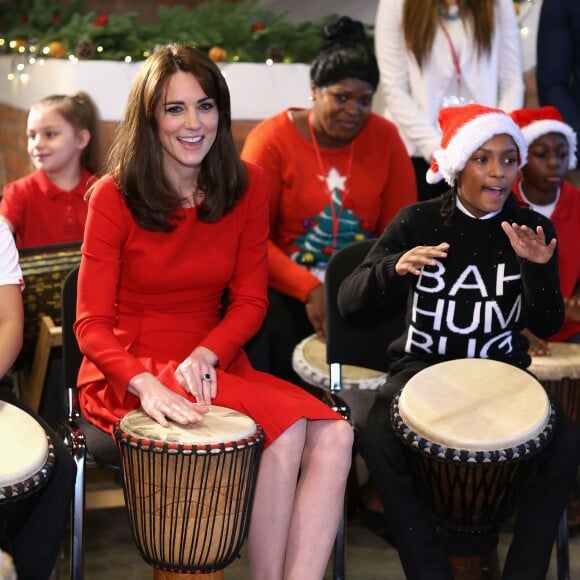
(528, 244)
(412, 261)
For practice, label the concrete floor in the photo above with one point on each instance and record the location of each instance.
(111, 554)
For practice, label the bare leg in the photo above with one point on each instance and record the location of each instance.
(293, 526)
(319, 501)
(273, 503)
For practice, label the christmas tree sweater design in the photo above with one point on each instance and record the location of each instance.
(334, 227)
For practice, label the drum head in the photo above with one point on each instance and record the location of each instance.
(25, 450)
(563, 361)
(475, 404)
(219, 425)
(309, 363)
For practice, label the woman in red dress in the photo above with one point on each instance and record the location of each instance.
(178, 220)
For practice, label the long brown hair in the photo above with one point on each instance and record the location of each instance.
(135, 158)
(421, 19)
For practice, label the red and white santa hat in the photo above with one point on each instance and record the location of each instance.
(535, 123)
(463, 130)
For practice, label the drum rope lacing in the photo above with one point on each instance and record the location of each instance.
(181, 519)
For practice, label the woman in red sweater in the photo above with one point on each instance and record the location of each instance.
(178, 220)
(337, 173)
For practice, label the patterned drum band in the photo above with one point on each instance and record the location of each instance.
(44, 270)
(26, 463)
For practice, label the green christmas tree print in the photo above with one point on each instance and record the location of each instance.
(333, 228)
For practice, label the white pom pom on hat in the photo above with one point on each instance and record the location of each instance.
(534, 123)
(463, 130)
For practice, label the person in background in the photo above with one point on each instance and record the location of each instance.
(337, 174)
(177, 221)
(36, 545)
(436, 53)
(47, 206)
(558, 55)
(447, 255)
(542, 185)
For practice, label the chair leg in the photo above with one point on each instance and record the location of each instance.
(562, 549)
(77, 519)
(340, 547)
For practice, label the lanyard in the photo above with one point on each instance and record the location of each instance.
(335, 217)
(454, 55)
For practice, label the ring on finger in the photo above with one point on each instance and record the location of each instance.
(206, 377)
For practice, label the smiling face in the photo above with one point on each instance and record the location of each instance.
(341, 111)
(548, 158)
(53, 143)
(488, 176)
(187, 122)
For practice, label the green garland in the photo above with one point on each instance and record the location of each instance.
(239, 31)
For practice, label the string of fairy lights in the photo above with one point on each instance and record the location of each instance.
(26, 54)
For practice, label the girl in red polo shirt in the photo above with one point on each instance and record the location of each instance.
(47, 206)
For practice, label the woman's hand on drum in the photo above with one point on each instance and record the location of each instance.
(197, 375)
(528, 244)
(315, 310)
(538, 347)
(160, 403)
(412, 261)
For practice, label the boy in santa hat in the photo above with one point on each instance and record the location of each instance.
(478, 268)
(542, 185)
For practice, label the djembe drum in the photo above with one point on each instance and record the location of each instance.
(189, 490)
(473, 428)
(559, 372)
(309, 363)
(26, 463)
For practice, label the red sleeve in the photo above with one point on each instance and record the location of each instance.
(248, 299)
(105, 231)
(285, 275)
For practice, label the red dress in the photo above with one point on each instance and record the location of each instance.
(147, 299)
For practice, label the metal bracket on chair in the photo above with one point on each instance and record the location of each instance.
(335, 377)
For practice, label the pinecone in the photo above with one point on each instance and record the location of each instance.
(85, 49)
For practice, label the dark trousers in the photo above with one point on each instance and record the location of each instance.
(421, 549)
(287, 326)
(36, 545)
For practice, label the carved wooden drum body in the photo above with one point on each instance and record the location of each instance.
(189, 489)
